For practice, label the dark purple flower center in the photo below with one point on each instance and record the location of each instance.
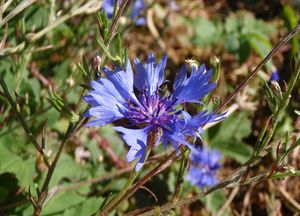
(154, 110)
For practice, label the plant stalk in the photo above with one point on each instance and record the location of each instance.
(117, 200)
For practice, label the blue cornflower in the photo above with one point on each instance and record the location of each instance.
(137, 98)
(204, 165)
(138, 7)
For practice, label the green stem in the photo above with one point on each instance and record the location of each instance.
(117, 200)
(282, 106)
(180, 179)
(44, 191)
(22, 121)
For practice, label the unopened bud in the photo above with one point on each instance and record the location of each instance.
(285, 86)
(214, 61)
(71, 81)
(216, 64)
(191, 63)
(276, 89)
(290, 169)
(96, 62)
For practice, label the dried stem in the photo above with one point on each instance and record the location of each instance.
(159, 168)
(261, 64)
(225, 183)
(23, 4)
(115, 201)
(228, 201)
(179, 182)
(289, 198)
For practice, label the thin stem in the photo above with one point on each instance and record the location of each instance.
(283, 104)
(263, 62)
(222, 184)
(159, 168)
(179, 181)
(44, 190)
(9, 130)
(23, 4)
(114, 202)
(115, 21)
(22, 121)
(228, 201)
(89, 7)
(111, 32)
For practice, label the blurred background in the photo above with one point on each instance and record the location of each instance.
(41, 44)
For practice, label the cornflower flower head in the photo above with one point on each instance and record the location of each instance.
(204, 165)
(137, 98)
(137, 8)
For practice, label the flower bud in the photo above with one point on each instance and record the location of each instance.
(276, 89)
(215, 63)
(191, 63)
(96, 62)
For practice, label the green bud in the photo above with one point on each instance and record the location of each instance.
(215, 63)
(276, 89)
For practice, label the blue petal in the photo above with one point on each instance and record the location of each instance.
(140, 21)
(137, 140)
(104, 115)
(104, 99)
(108, 6)
(180, 77)
(194, 175)
(200, 177)
(207, 180)
(193, 88)
(107, 87)
(203, 117)
(186, 116)
(137, 9)
(89, 99)
(204, 164)
(179, 138)
(151, 76)
(123, 81)
(214, 157)
(160, 70)
(198, 120)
